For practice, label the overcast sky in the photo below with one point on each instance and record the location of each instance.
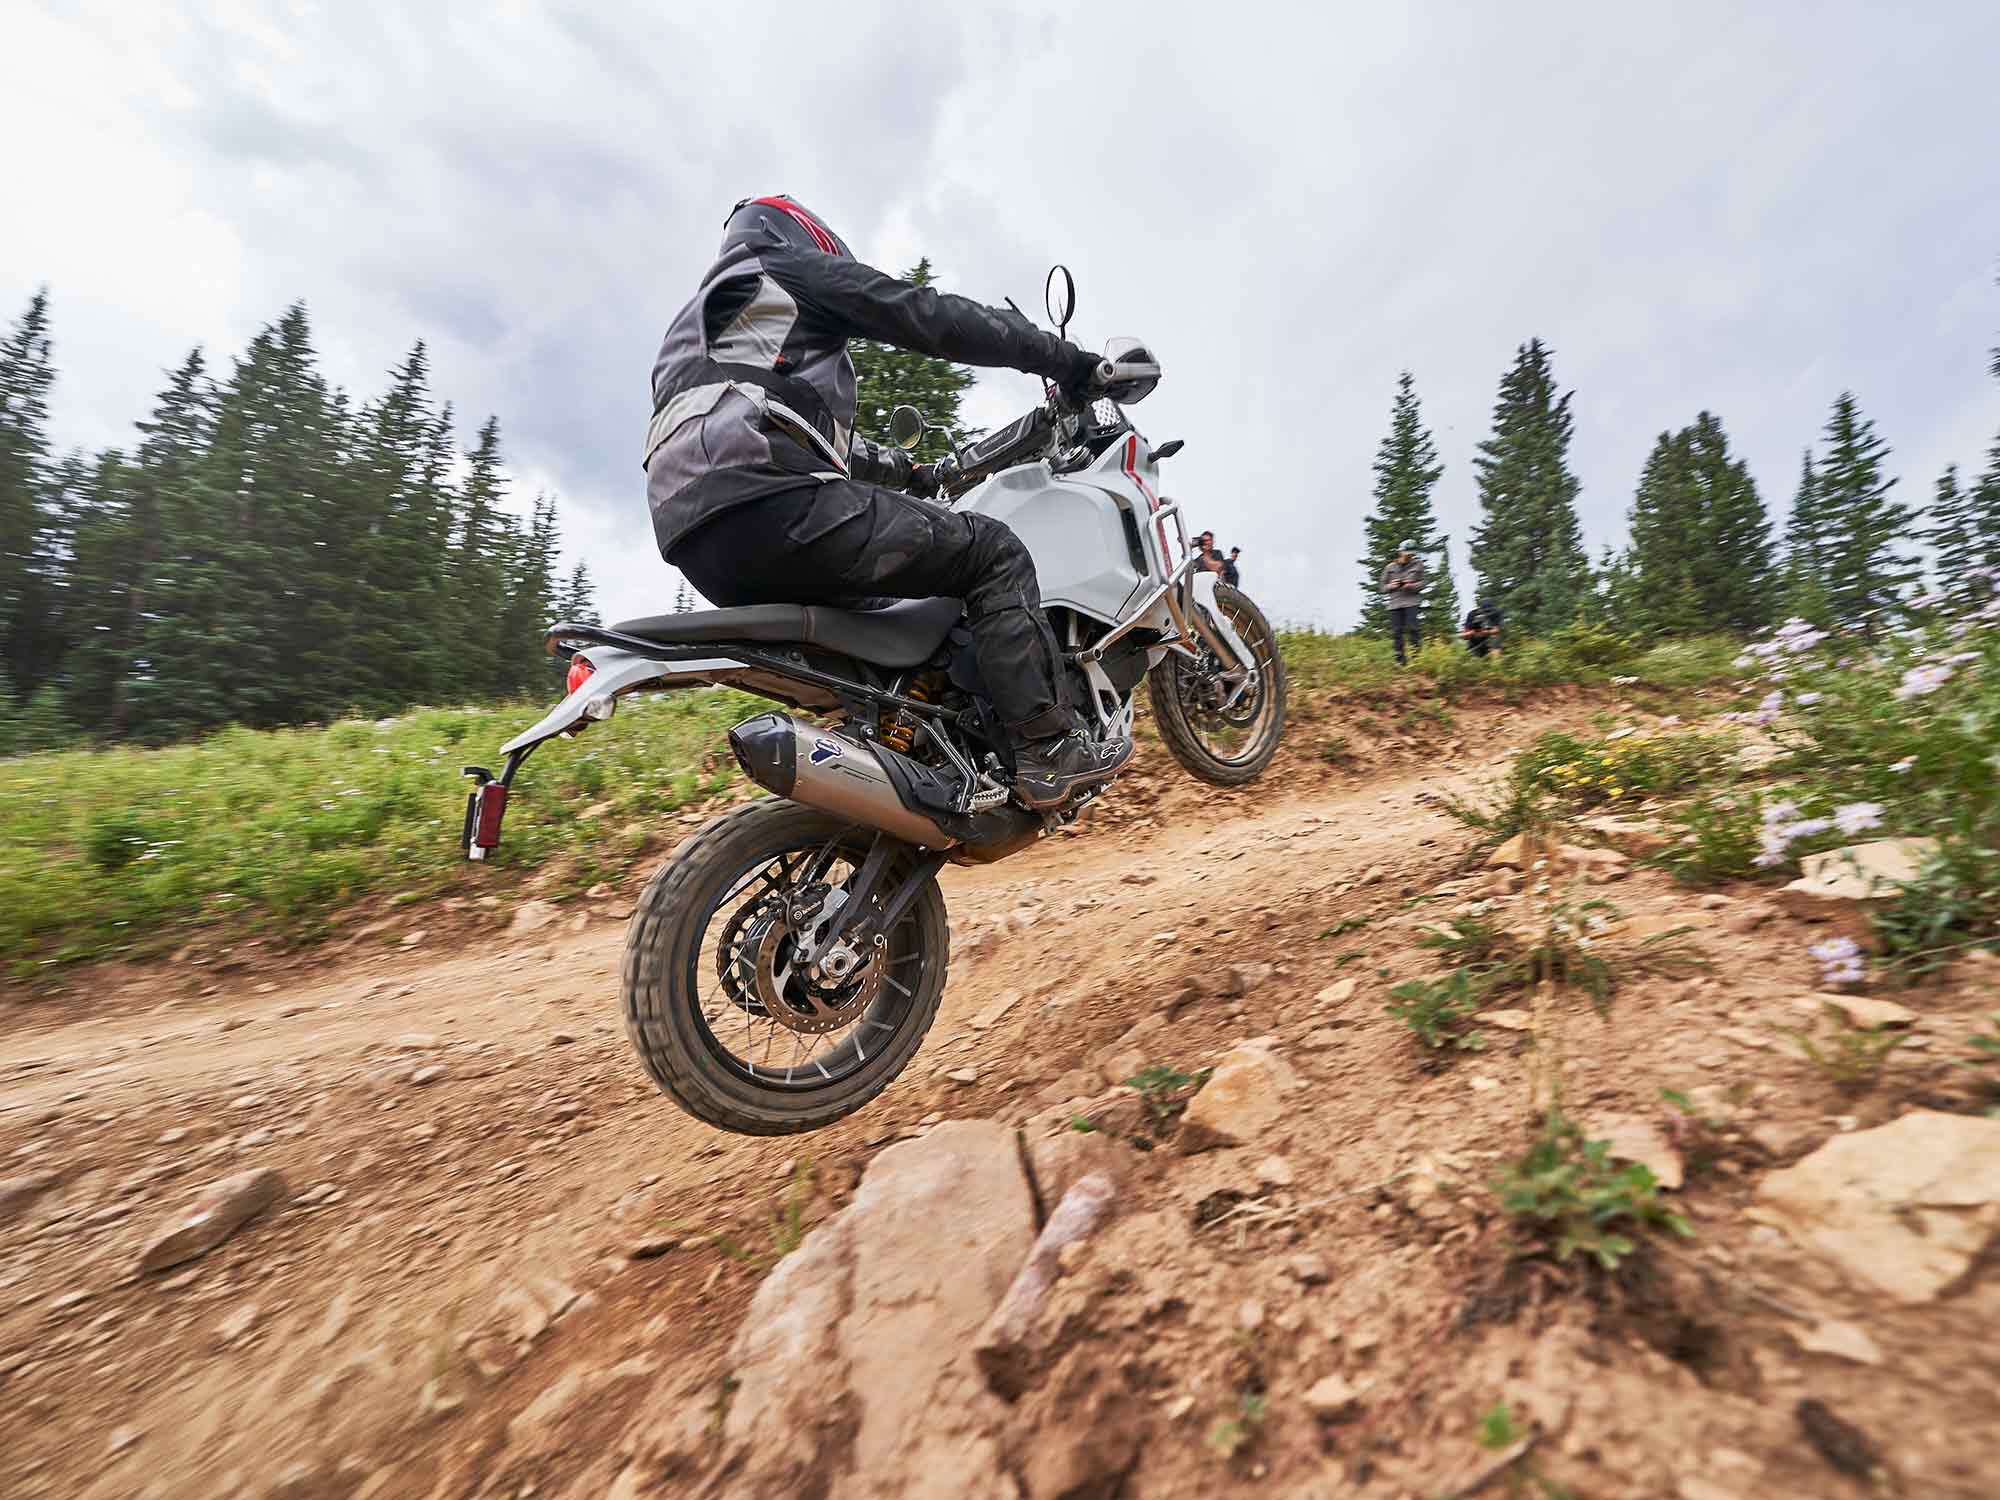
(1743, 208)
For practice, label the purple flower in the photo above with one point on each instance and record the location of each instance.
(1780, 812)
(1840, 962)
(1919, 681)
(1807, 700)
(1857, 816)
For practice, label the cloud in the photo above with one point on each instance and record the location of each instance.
(1702, 207)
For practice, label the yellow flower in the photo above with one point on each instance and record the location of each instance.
(1618, 791)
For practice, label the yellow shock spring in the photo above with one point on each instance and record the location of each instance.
(899, 731)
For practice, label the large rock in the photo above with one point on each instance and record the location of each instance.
(1136, 1049)
(1595, 865)
(1907, 1207)
(17, 1194)
(853, 1366)
(532, 916)
(1846, 886)
(222, 1209)
(1638, 1138)
(1059, 1161)
(1859, 1010)
(1240, 1101)
(1637, 837)
(1517, 853)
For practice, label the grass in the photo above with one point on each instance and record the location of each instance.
(1849, 1057)
(1166, 1089)
(1500, 1431)
(1230, 1435)
(125, 852)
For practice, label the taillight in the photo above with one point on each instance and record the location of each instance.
(579, 671)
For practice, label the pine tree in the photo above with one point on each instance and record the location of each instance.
(1954, 541)
(1865, 568)
(1406, 467)
(1806, 548)
(26, 375)
(1528, 552)
(577, 603)
(1441, 613)
(886, 377)
(1700, 555)
(402, 459)
(266, 555)
(476, 583)
(523, 663)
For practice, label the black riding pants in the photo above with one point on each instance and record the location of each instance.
(851, 545)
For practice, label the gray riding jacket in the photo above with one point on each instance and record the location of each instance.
(753, 390)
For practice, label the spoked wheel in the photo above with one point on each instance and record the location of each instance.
(725, 1013)
(1220, 742)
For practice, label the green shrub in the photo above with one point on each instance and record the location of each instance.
(1714, 838)
(1592, 645)
(1568, 1195)
(1440, 1012)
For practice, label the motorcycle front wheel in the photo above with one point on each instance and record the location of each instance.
(727, 1025)
(1223, 744)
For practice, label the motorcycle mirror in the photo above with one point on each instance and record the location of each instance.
(906, 427)
(1059, 297)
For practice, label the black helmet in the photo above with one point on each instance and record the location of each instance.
(791, 221)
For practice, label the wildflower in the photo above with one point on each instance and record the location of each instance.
(1921, 680)
(1618, 791)
(1780, 812)
(1808, 828)
(1840, 961)
(1807, 700)
(1857, 816)
(1904, 764)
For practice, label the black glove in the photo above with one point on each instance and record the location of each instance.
(928, 481)
(1079, 381)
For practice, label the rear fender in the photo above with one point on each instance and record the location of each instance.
(617, 673)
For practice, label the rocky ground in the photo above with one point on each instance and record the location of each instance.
(461, 1248)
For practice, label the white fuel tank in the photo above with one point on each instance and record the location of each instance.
(1085, 544)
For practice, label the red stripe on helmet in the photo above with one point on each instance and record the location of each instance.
(821, 235)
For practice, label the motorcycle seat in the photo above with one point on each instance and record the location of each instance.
(901, 634)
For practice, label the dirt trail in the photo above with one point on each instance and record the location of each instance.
(474, 1154)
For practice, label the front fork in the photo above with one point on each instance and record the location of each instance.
(1197, 614)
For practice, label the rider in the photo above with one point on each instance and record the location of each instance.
(761, 493)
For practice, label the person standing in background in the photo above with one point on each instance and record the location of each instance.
(1482, 629)
(1229, 574)
(1403, 591)
(1204, 548)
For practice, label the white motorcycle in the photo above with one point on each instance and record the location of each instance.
(786, 963)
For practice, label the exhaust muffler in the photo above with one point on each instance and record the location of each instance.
(831, 772)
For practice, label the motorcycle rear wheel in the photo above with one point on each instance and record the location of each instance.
(692, 1011)
(1223, 747)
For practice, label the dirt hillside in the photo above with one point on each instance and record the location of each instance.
(502, 1265)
